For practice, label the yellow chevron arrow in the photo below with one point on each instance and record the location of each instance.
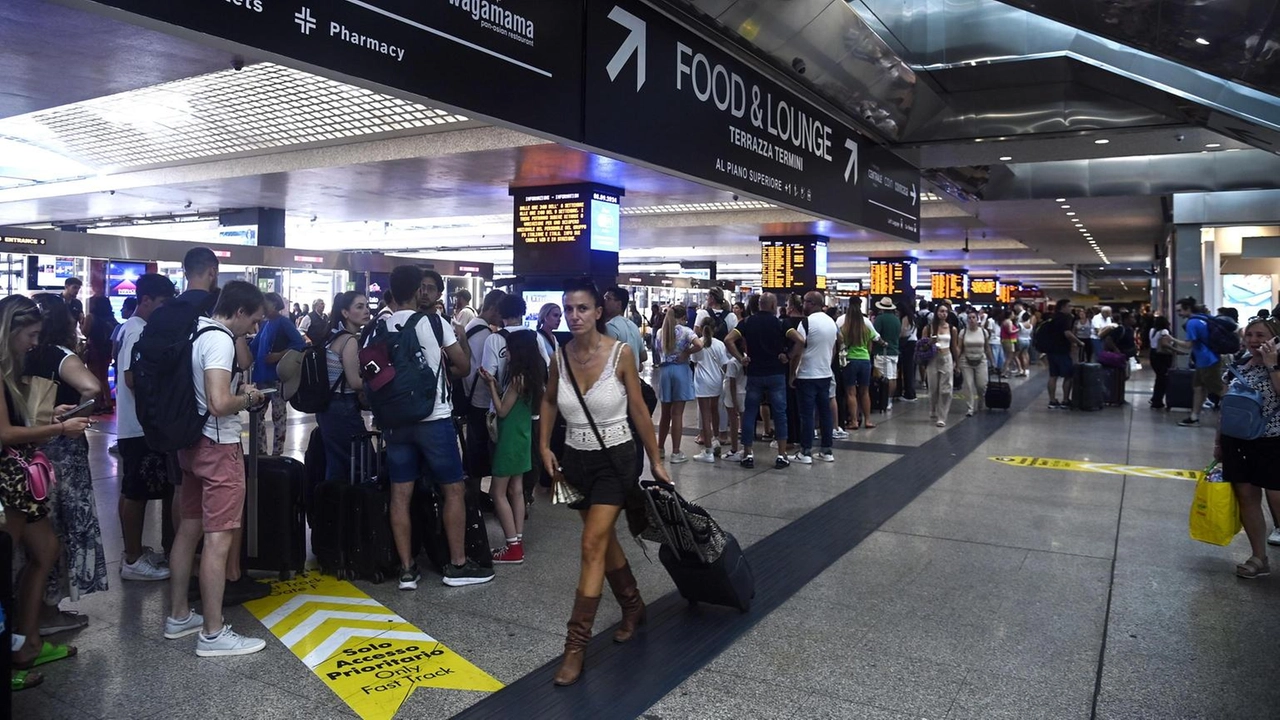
(1099, 467)
(368, 655)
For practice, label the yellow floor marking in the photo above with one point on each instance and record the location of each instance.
(367, 654)
(1099, 467)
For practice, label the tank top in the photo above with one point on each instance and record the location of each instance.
(1008, 332)
(607, 400)
(333, 361)
(1024, 330)
(941, 341)
(975, 342)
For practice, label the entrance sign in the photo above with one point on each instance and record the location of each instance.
(659, 92)
(517, 60)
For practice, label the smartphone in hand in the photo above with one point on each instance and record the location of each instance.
(82, 410)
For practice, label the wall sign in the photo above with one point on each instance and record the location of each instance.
(515, 60)
(731, 125)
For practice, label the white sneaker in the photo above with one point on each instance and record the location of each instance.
(226, 643)
(143, 569)
(888, 406)
(733, 457)
(715, 448)
(159, 559)
(773, 444)
(706, 456)
(826, 457)
(174, 629)
(1274, 537)
(678, 457)
(1207, 405)
(803, 459)
(840, 434)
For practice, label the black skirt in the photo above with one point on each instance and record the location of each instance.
(1256, 462)
(604, 477)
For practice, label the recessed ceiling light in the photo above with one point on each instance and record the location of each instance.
(1006, 158)
(1073, 212)
(977, 139)
(1101, 141)
(1213, 145)
(1201, 41)
(1060, 200)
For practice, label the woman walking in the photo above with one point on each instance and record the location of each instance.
(513, 457)
(675, 345)
(82, 567)
(99, 327)
(1009, 340)
(976, 358)
(342, 420)
(594, 383)
(942, 366)
(857, 334)
(26, 518)
(1026, 327)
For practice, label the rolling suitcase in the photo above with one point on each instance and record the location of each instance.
(999, 395)
(879, 394)
(369, 548)
(1179, 392)
(275, 524)
(428, 521)
(315, 460)
(724, 579)
(1115, 379)
(1089, 388)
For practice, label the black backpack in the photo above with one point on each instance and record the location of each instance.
(1042, 338)
(461, 393)
(722, 329)
(318, 330)
(1224, 335)
(314, 390)
(163, 387)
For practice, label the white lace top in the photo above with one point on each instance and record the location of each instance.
(607, 399)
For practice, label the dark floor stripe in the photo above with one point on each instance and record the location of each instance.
(622, 681)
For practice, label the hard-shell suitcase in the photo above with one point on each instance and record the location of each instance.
(369, 548)
(1179, 393)
(327, 516)
(1089, 388)
(728, 581)
(276, 529)
(1114, 385)
(428, 521)
(317, 472)
(999, 395)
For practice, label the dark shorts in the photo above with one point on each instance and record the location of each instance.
(1209, 378)
(857, 374)
(425, 449)
(1060, 365)
(1256, 462)
(602, 476)
(144, 473)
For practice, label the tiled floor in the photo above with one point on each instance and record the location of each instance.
(999, 592)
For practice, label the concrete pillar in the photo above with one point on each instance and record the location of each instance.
(1188, 267)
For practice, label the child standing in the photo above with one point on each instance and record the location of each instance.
(708, 382)
(734, 397)
(526, 377)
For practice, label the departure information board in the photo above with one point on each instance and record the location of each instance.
(563, 231)
(1007, 290)
(984, 290)
(895, 278)
(949, 285)
(793, 264)
(848, 289)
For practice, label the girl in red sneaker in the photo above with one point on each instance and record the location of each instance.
(526, 378)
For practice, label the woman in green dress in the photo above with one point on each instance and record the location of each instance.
(525, 379)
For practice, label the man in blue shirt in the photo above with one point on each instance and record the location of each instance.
(1208, 364)
(276, 337)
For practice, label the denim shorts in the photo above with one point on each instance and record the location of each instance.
(675, 383)
(426, 449)
(857, 374)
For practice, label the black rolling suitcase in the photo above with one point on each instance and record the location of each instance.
(1114, 384)
(428, 522)
(1089, 388)
(317, 470)
(1179, 392)
(369, 548)
(999, 395)
(879, 394)
(705, 562)
(327, 516)
(275, 527)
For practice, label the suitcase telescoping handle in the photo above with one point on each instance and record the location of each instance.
(363, 446)
(672, 541)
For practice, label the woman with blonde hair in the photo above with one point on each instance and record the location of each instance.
(26, 516)
(675, 345)
(549, 318)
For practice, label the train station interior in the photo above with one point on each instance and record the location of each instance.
(998, 156)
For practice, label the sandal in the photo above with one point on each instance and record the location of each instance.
(869, 426)
(67, 620)
(1253, 568)
(24, 680)
(48, 653)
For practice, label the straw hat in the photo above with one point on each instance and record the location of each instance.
(886, 303)
(289, 369)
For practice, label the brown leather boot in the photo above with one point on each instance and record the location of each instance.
(575, 642)
(625, 590)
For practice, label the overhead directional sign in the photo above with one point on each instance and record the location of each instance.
(516, 60)
(659, 93)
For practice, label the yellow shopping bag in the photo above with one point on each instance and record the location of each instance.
(1215, 514)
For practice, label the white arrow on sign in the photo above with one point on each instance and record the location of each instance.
(913, 193)
(852, 167)
(633, 45)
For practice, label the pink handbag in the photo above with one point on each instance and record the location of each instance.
(40, 475)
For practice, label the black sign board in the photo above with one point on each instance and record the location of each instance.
(566, 230)
(895, 278)
(725, 123)
(950, 285)
(1007, 290)
(984, 290)
(516, 60)
(793, 263)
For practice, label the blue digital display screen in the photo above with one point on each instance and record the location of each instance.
(606, 219)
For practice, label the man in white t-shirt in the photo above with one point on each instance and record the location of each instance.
(463, 314)
(816, 337)
(429, 448)
(477, 331)
(718, 308)
(137, 561)
(512, 308)
(211, 498)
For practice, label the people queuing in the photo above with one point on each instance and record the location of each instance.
(674, 347)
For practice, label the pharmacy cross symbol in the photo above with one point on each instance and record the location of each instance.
(306, 23)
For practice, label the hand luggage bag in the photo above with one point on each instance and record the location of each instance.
(1179, 393)
(1113, 385)
(317, 472)
(369, 548)
(275, 537)
(327, 515)
(999, 395)
(1089, 387)
(879, 394)
(706, 563)
(428, 522)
